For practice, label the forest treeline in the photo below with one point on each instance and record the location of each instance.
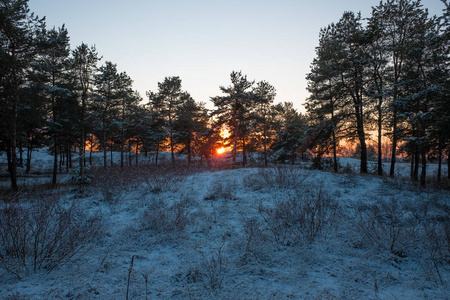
(387, 74)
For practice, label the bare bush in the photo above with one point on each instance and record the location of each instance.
(165, 180)
(222, 190)
(43, 234)
(436, 243)
(302, 217)
(389, 224)
(162, 218)
(282, 177)
(213, 269)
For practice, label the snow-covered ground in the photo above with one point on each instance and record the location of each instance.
(235, 234)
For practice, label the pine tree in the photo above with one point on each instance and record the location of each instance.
(19, 44)
(233, 109)
(85, 60)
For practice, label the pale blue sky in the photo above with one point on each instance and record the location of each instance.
(202, 41)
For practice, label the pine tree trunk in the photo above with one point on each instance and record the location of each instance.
(129, 153)
(380, 124)
(244, 156)
(68, 158)
(439, 161)
(189, 149)
(424, 169)
(111, 153)
(157, 153)
(171, 148)
(104, 144)
(20, 154)
(8, 157)
(121, 153)
(29, 151)
(90, 153)
(448, 163)
(394, 144)
(362, 139)
(266, 162)
(55, 160)
(416, 164)
(137, 152)
(61, 158)
(411, 174)
(13, 165)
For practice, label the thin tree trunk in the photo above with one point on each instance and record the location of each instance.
(244, 156)
(29, 151)
(380, 124)
(104, 144)
(439, 161)
(68, 158)
(111, 153)
(424, 169)
(335, 163)
(61, 158)
(171, 148)
(157, 153)
(121, 153)
(189, 148)
(362, 139)
(416, 164)
(20, 154)
(9, 157)
(55, 160)
(137, 153)
(90, 152)
(129, 153)
(394, 144)
(448, 163)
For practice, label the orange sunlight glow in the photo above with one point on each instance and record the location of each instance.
(224, 133)
(221, 150)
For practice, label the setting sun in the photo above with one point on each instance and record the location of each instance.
(221, 150)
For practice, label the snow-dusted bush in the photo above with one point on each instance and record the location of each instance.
(43, 234)
(389, 224)
(164, 180)
(282, 176)
(222, 190)
(302, 217)
(212, 269)
(161, 217)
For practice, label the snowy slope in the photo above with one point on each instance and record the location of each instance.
(202, 235)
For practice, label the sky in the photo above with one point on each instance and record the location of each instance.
(203, 41)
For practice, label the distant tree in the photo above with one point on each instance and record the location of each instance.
(106, 103)
(154, 121)
(191, 123)
(85, 61)
(291, 133)
(264, 94)
(233, 109)
(171, 97)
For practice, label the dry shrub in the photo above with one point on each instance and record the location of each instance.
(213, 267)
(436, 243)
(390, 225)
(160, 217)
(223, 190)
(282, 177)
(43, 234)
(301, 218)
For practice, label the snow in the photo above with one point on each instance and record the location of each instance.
(209, 258)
